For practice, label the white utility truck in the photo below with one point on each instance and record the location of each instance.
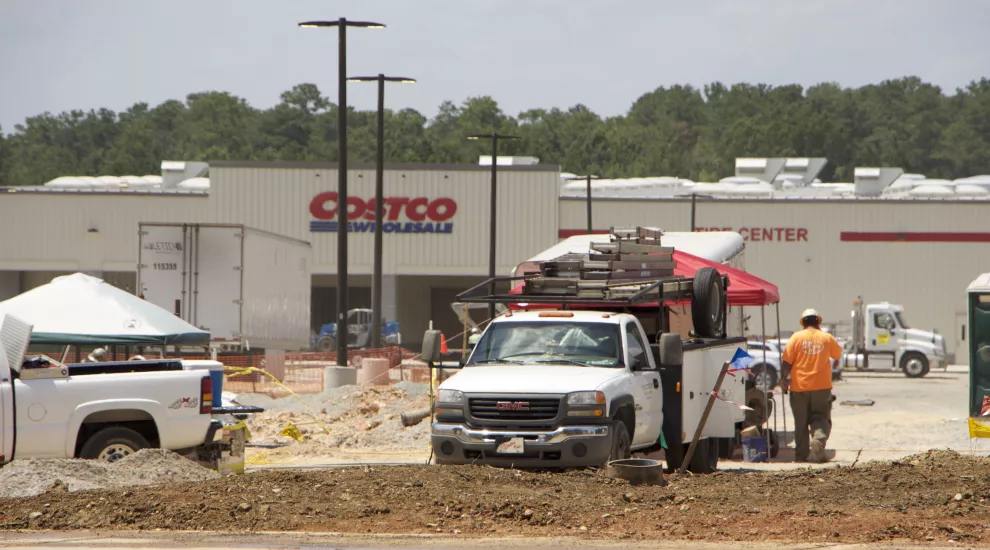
(882, 340)
(582, 370)
(249, 288)
(102, 410)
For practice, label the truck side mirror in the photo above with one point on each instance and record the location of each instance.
(431, 346)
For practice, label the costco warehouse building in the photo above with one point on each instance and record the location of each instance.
(886, 237)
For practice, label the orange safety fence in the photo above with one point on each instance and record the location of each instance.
(302, 372)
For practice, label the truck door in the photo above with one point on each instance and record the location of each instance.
(647, 390)
(881, 329)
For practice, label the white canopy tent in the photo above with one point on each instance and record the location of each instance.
(79, 309)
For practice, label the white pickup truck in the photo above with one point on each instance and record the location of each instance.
(583, 368)
(97, 410)
(559, 389)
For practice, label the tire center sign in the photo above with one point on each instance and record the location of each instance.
(401, 214)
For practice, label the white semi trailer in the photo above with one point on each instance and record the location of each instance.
(249, 288)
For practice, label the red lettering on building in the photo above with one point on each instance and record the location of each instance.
(765, 234)
(324, 207)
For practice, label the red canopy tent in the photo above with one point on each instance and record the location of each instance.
(745, 289)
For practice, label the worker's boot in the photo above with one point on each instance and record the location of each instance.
(818, 447)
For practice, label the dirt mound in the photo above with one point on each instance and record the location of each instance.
(937, 496)
(23, 478)
(346, 419)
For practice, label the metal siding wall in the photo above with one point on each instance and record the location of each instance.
(278, 200)
(928, 279)
(51, 228)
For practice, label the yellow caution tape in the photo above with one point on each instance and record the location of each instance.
(979, 428)
(293, 432)
(240, 371)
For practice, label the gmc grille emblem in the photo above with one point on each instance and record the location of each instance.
(511, 406)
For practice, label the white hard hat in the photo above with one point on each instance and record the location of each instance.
(811, 313)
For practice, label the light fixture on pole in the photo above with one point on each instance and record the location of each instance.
(342, 25)
(376, 276)
(492, 221)
(588, 178)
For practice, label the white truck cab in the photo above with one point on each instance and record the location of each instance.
(882, 340)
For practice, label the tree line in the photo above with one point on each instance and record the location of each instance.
(678, 131)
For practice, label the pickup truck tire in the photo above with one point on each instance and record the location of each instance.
(707, 302)
(705, 459)
(762, 370)
(326, 344)
(111, 444)
(914, 365)
(621, 442)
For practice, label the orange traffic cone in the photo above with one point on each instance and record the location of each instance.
(443, 344)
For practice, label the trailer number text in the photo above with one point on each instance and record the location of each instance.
(165, 266)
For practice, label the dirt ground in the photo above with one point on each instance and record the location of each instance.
(935, 496)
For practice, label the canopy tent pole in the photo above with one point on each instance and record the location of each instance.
(781, 350)
(766, 381)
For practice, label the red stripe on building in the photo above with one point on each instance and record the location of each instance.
(565, 233)
(907, 237)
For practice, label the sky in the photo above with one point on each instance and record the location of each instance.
(59, 55)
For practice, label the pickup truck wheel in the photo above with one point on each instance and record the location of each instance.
(914, 365)
(112, 444)
(621, 442)
(326, 344)
(764, 375)
(707, 300)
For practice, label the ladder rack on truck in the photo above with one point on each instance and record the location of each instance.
(634, 269)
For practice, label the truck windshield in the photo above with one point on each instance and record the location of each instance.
(900, 319)
(590, 344)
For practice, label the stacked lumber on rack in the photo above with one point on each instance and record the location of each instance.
(631, 261)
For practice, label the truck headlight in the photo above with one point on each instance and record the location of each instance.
(450, 397)
(586, 398)
(586, 403)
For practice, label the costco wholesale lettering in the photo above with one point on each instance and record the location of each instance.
(766, 234)
(402, 214)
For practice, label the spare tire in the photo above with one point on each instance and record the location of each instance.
(707, 303)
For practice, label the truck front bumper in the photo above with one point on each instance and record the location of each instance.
(564, 447)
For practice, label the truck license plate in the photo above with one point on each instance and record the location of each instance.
(512, 446)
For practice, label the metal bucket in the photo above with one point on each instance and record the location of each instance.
(637, 471)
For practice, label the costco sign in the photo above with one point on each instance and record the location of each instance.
(401, 214)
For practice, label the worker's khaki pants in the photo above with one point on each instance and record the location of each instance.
(812, 409)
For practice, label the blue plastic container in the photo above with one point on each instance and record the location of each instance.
(754, 449)
(216, 376)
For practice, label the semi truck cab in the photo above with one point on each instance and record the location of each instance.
(883, 340)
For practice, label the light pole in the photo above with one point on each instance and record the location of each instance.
(376, 276)
(341, 25)
(588, 178)
(492, 220)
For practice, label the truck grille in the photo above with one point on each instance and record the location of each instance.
(514, 408)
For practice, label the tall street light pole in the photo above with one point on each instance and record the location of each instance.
(376, 276)
(588, 178)
(342, 25)
(492, 216)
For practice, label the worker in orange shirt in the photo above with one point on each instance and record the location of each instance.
(807, 372)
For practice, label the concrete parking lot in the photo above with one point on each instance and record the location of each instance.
(908, 416)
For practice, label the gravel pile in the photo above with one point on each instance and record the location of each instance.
(23, 478)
